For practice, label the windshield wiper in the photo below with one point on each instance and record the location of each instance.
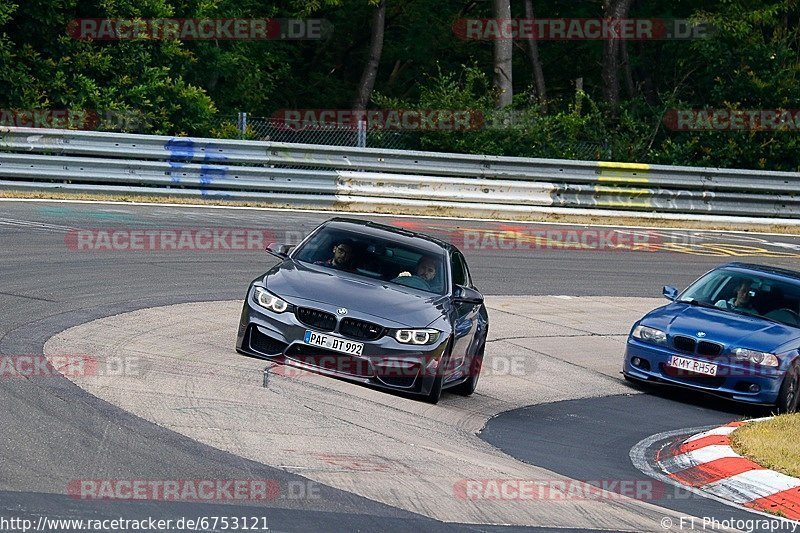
(698, 303)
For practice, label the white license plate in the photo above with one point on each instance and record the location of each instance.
(330, 342)
(690, 365)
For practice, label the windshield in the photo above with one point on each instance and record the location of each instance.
(747, 294)
(375, 258)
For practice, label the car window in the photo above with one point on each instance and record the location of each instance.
(457, 267)
(464, 269)
(749, 293)
(375, 258)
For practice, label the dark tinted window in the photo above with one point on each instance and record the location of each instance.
(459, 275)
(467, 277)
(376, 258)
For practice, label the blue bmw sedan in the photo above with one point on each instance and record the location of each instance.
(735, 332)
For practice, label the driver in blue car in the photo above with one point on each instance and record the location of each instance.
(743, 301)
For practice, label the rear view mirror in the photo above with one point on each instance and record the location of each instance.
(467, 295)
(670, 293)
(279, 250)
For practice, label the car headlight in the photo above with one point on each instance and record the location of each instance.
(649, 334)
(754, 356)
(270, 301)
(416, 336)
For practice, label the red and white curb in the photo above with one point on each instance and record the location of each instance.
(707, 462)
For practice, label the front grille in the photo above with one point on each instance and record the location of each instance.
(265, 344)
(316, 319)
(711, 349)
(361, 330)
(329, 360)
(684, 344)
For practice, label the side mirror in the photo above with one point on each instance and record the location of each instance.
(467, 295)
(281, 251)
(670, 293)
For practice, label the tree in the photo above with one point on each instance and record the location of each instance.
(503, 50)
(536, 63)
(614, 10)
(370, 74)
(140, 82)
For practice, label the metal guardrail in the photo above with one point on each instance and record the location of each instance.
(298, 174)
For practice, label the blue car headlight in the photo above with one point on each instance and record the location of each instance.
(756, 357)
(269, 301)
(647, 334)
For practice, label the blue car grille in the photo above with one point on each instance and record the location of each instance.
(315, 318)
(684, 344)
(690, 345)
(711, 349)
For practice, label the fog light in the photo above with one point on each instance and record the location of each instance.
(636, 361)
(755, 388)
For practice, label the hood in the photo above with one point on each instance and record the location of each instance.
(360, 295)
(730, 329)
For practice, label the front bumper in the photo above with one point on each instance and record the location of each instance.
(734, 380)
(384, 363)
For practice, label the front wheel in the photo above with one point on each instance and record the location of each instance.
(438, 383)
(790, 391)
(468, 387)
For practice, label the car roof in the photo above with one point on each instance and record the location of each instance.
(785, 273)
(399, 235)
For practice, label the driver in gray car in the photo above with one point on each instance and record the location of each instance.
(424, 277)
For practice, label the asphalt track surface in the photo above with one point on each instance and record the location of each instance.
(55, 432)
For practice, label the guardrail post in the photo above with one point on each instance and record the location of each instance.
(242, 123)
(362, 133)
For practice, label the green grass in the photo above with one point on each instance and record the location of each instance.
(774, 444)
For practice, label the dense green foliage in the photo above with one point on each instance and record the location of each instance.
(750, 61)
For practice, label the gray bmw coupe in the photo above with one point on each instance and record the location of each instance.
(373, 304)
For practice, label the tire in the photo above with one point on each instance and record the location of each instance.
(435, 394)
(436, 390)
(790, 391)
(468, 387)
